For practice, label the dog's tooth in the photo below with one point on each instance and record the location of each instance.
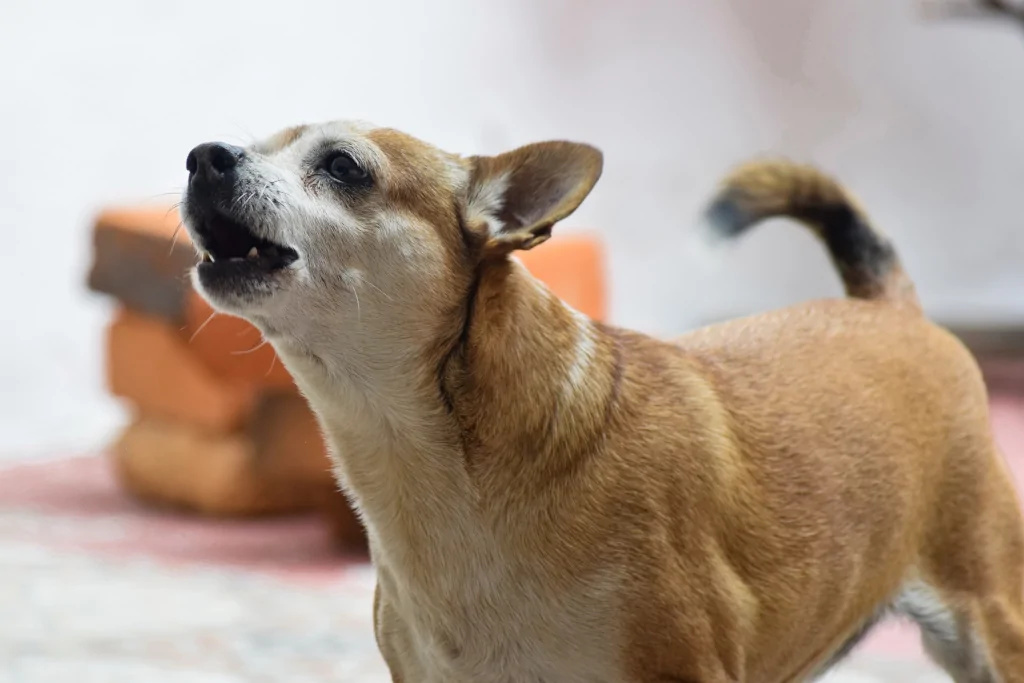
(253, 253)
(206, 258)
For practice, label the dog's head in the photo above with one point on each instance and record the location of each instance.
(362, 235)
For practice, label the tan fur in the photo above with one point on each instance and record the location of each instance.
(550, 499)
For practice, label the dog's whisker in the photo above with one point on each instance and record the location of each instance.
(253, 196)
(172, 193)
(247, 351)
(382, 292)
(174, 238)
(236, 201)
(249, 136)
(202, 327)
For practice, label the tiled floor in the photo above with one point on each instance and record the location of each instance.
(94, 588)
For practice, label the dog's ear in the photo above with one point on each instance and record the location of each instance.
(517, 197)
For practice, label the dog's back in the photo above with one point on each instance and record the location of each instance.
(859, 454)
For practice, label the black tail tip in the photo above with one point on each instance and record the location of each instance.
(727, 217)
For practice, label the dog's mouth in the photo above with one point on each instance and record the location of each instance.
(229, 246)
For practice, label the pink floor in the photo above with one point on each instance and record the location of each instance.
(72, 506)
(98, 518)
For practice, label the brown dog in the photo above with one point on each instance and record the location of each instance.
(552, 500)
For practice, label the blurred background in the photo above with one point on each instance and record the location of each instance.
(101, 101)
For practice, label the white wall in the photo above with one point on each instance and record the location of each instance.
(101, 100)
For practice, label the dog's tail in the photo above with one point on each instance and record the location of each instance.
(757, 191)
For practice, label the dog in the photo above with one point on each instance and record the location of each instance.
(551, 499)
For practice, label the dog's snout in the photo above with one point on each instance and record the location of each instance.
(212, 160)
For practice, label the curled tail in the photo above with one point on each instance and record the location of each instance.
(866, 260)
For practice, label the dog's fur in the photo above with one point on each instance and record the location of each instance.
(553, 500)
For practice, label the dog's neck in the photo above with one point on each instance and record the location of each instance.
(525, 389)
(531, 384)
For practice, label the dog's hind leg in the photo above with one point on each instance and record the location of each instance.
(968, 595)
(975, 641)
(1003, 628)
(948, 634)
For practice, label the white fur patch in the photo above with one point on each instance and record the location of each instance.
(582, 358)
(486, 200)
(948, 640)
(922, 604)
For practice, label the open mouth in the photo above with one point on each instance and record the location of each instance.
(227, 245)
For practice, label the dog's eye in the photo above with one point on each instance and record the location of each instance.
(343, 168)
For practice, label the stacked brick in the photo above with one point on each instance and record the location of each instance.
(218, 426)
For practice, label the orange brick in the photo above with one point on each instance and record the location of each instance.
(276, 464)
(136, 260)
(149, 364)
(572, 266)
(291, 454)
(177, 465)
(288, 441)
(243, 473)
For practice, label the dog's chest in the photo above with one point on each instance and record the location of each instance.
(538, 658)
(512, 633)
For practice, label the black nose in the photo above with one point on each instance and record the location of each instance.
(213, 160)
